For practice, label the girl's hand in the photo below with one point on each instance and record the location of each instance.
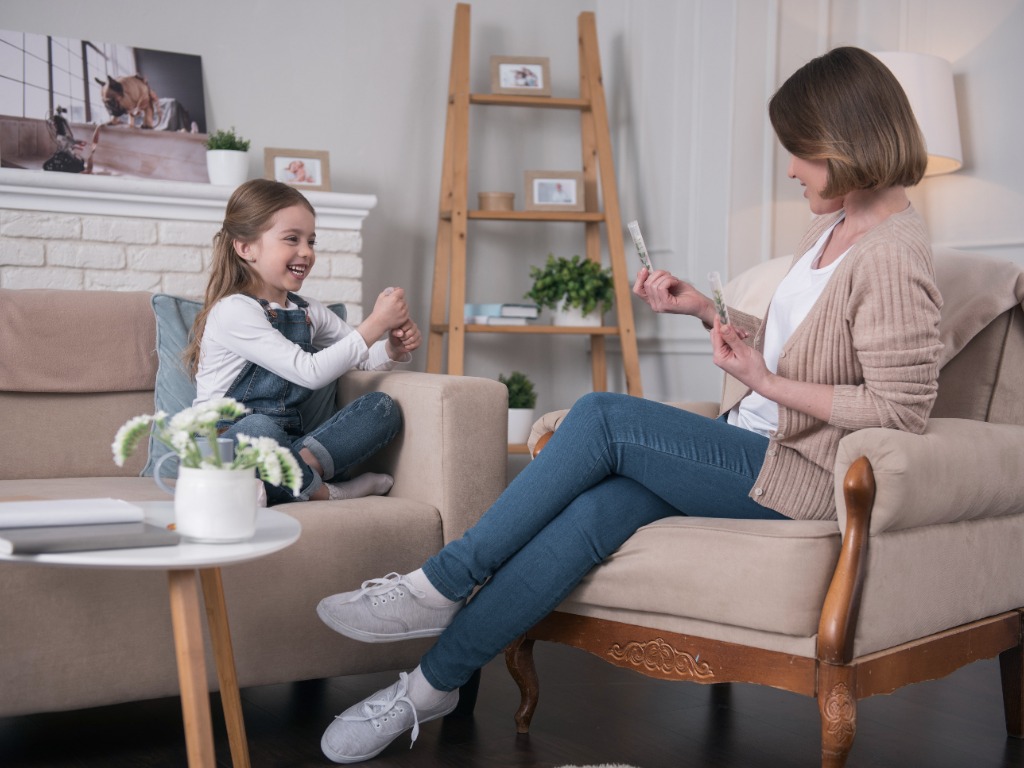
(389, 312)
(734, 356)
(663, 292)
(402, 341)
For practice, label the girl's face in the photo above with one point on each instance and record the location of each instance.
(283, 256)
(813, 176)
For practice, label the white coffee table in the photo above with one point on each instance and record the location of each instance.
(188, 565)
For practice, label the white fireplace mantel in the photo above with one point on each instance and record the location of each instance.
(145, 198)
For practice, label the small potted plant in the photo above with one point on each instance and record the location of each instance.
(579, 291)
(227, 157)
(522, 399)
(215, 498)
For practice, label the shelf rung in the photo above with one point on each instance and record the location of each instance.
(515, 100)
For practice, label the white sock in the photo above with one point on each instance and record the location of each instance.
(368, 484)
(419, 580)
(422, 694)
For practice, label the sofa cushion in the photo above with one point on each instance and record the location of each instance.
(175, 390)
(85, 326)
(768, 575)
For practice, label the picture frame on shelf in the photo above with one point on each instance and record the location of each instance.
(554, 191)
(521, 75)
(302, 168)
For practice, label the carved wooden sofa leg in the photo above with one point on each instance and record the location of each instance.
(838, 707)
(519, 660)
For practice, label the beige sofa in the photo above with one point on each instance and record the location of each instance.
(923, 573)
(74, 365)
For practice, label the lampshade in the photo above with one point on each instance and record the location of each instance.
(928, 83)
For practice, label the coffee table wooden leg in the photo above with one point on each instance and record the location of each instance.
(188, 645)
(220, 636)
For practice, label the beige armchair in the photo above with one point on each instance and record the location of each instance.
(922, 574)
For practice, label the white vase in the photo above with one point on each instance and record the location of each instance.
(574, 316)
(227, 167)
(215, 505)
(520, 420)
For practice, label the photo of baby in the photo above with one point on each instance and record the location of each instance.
(306, 169)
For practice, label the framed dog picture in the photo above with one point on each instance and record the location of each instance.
(303, 168)
(524, 75)
(554, 191)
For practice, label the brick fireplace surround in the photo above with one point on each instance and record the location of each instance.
(81, 232)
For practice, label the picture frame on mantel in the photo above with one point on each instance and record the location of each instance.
(554, 191)
(301, 168)
(523, 75)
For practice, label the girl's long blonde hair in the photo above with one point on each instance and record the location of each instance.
(248, 215)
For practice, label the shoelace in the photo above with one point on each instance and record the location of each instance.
(377, 709)
(387, 587)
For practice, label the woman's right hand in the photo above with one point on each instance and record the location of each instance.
(663, 292)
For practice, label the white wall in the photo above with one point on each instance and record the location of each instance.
(687, 83)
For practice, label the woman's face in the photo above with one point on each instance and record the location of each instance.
(813, 176)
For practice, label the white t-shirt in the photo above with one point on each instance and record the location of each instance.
(790, 305)
(238, 331)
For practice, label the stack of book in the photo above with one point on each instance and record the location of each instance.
(74, 525)
(501, 314)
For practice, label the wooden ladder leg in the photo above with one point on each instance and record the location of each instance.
(1011, 669)
(597, 151)
(838, 708)
(519, 660)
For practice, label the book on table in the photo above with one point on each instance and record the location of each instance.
(32, 527)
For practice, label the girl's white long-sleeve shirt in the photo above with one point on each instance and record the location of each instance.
(238, 331)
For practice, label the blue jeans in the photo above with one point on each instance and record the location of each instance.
(615, 464)
(346, 439)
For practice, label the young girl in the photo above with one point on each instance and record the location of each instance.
(850, 341)
(259, 342)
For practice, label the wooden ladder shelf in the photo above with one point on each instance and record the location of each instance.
(448, 296)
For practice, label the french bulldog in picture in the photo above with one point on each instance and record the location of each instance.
(129, 95)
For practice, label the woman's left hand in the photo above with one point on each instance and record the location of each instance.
(403, 340)
(736, 357)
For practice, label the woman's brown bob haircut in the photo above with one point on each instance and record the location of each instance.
(848, 109)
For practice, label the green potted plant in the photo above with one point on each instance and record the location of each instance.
(579, 291)
(227, 157)
(522, 399)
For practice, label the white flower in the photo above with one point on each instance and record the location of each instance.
(276, 465)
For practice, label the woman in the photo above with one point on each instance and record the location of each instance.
(850, 341)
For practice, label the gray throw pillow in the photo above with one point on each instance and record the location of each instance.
(175, 390)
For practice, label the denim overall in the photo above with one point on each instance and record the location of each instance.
(347, 438)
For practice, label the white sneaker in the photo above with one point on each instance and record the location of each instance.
(365, 729)
(385, 610)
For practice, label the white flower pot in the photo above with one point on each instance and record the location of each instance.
(574, 316)
(227, 167)
(215, 505)
(520, 420)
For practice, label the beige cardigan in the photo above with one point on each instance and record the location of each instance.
(873, 335)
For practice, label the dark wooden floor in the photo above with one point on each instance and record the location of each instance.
(589, 712)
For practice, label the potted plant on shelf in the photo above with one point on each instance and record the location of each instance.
(579, 291)
(215, 498)
(522, 399)
(227, 158)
